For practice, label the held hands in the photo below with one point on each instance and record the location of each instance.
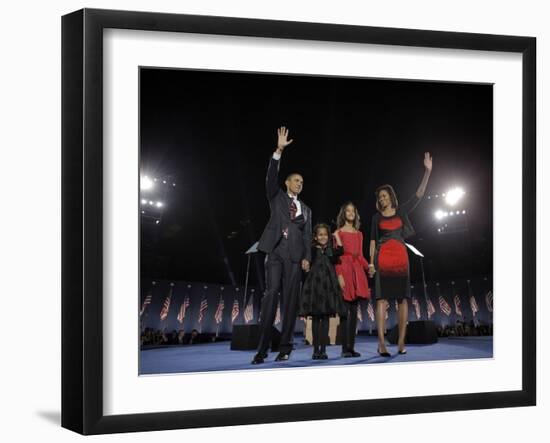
(427, 161)
(282, 139)
(372, 270)
(305, 265)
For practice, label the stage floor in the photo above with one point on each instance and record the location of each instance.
(218, 357)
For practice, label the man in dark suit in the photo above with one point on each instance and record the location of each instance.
(287, 242)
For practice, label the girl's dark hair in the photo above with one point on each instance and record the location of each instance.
(341, 219)
(316, 228)
(393, 197)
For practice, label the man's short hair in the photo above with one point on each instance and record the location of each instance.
(289, 176)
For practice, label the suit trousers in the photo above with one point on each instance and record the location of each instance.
(281, 273)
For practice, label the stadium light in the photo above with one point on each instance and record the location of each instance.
(159, 204)
(454, 195)
(439, 214)
(146, 183)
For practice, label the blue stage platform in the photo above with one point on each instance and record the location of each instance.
(218, 357)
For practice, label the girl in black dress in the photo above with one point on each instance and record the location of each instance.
(321, 295)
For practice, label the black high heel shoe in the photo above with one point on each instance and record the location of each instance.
(383, 354)
(403, 352)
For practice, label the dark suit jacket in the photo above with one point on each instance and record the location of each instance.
(299, 238)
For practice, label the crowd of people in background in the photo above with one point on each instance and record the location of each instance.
(156, 337)
(465, 329)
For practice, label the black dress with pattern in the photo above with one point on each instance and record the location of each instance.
(391, 260)
(321, 292)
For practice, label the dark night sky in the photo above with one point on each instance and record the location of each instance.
(213, 133)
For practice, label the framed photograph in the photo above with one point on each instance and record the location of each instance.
(263, 220)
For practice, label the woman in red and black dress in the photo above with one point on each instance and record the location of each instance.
(389, 258)
(351, 273)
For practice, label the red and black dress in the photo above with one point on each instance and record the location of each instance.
(391, 260)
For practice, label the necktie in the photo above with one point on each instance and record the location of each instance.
(293, 210)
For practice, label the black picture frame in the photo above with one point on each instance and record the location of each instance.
(82, 233)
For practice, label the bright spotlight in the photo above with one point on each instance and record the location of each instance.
(454, 195)
(143, 202)
(439, 214)
(159, 204)
(146, 183)
(151, 202)
(464, 212)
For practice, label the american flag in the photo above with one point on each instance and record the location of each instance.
(457, 305)
(249, 310)
(444, 306)
(359, 313)
(203, 308)
(166, 307)
(370, 311)
(219, 311)
(146, 303)
(235, 311)
(430, 308)
(416, 307)
(473, 305)
(489, 301)
(183, 308)
(278, 314)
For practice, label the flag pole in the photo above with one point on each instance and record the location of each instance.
(253, 249)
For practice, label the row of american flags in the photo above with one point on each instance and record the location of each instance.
(206, 307)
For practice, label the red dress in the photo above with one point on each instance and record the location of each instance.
(352, 266)
(393, 259)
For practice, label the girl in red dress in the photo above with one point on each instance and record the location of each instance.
(389, 258)
(351, 273)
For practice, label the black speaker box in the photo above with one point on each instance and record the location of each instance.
(247, 337)
(418, 332)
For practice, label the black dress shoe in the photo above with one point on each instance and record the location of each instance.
(323, 356)
(354, 353)
(384, 354)
(346, 354)
(316, 356)
(282, 357)
(258, 359)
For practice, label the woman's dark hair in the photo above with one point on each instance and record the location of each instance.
(393, 197)
(317, 227)
(341, 219)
